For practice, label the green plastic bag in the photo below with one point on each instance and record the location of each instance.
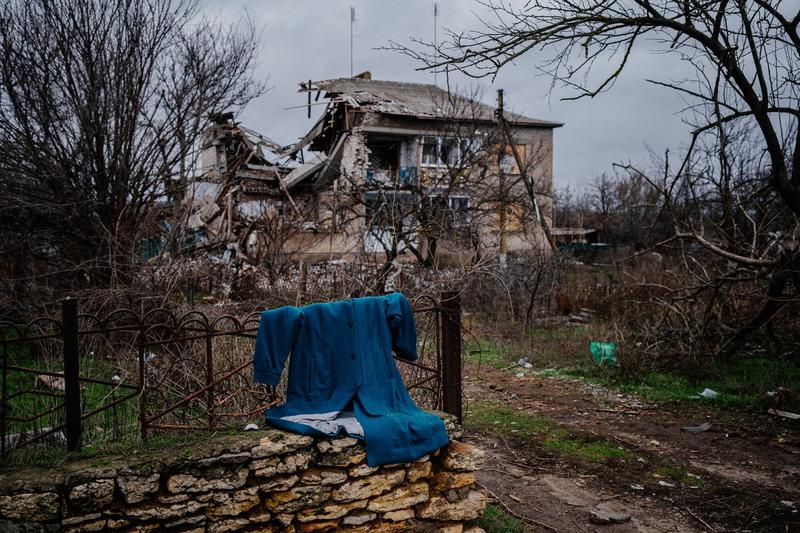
(604, 353)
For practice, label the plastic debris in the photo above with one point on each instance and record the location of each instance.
(604, 353)
(706, 393)
(250, 427)
(705, 426)
(665, 484)
(520, 374)
(636, 486)
(784, 414)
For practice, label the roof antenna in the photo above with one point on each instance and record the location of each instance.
(352, 23)
(435, 43)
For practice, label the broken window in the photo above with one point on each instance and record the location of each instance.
(430, 151)
(450, 152)
(459, 206)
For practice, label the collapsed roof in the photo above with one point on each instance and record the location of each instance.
(419, 100)
(352, 101)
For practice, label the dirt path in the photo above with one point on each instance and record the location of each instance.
(743, 474)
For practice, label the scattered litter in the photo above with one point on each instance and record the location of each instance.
(641, 459)
(522, 362)
(608, 517)
(250, 427)
(604, 353)
(148, 356)
(665, 484)
(707, 393)
(528, 365)
(689, 474)
(520, 374)
(636, 486)
(705, 426)
(46, 381)
(784, 414)
(116, 378)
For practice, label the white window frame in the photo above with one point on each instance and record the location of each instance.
(441, 157)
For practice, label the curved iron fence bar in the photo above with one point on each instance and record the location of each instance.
(97, 320)
(194, 324)
(112, 316)
(186, 318)
(163, 311)
(45, 320)
(230, 318)
(241, 333)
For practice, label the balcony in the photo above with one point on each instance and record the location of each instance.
(402, 176)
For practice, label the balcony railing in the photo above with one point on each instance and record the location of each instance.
(402, 175)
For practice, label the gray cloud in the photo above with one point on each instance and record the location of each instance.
(309, 39)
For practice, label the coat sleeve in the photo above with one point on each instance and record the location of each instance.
(401, 323)
(277, 332)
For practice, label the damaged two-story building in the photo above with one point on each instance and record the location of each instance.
(406, 170)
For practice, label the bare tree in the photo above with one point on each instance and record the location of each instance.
(101, 104)
(743, 59)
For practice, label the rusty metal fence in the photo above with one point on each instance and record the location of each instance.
(85, 379)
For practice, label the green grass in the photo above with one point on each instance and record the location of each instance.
(488, 353)
(495, 520)
(491, 417)
(739, 384)
(494, 418)
(594, 451)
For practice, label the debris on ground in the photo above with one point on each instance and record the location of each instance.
(705, 426)
(251, 427)
(706, 393)
(601, 517)
(46, 381)
(604, 353)
(784, 414)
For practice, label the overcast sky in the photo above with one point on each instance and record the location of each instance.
(310, 39)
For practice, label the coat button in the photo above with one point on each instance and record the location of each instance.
(352, 356)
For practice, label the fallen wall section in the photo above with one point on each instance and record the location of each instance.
(266, 480)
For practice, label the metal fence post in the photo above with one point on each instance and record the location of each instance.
(72, 387)
(451, 353)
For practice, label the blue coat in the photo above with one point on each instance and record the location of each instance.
(342, 366)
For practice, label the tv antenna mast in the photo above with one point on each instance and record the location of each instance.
(352, 23)
(435, 42)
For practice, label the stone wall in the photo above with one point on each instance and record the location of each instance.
(265, 480)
